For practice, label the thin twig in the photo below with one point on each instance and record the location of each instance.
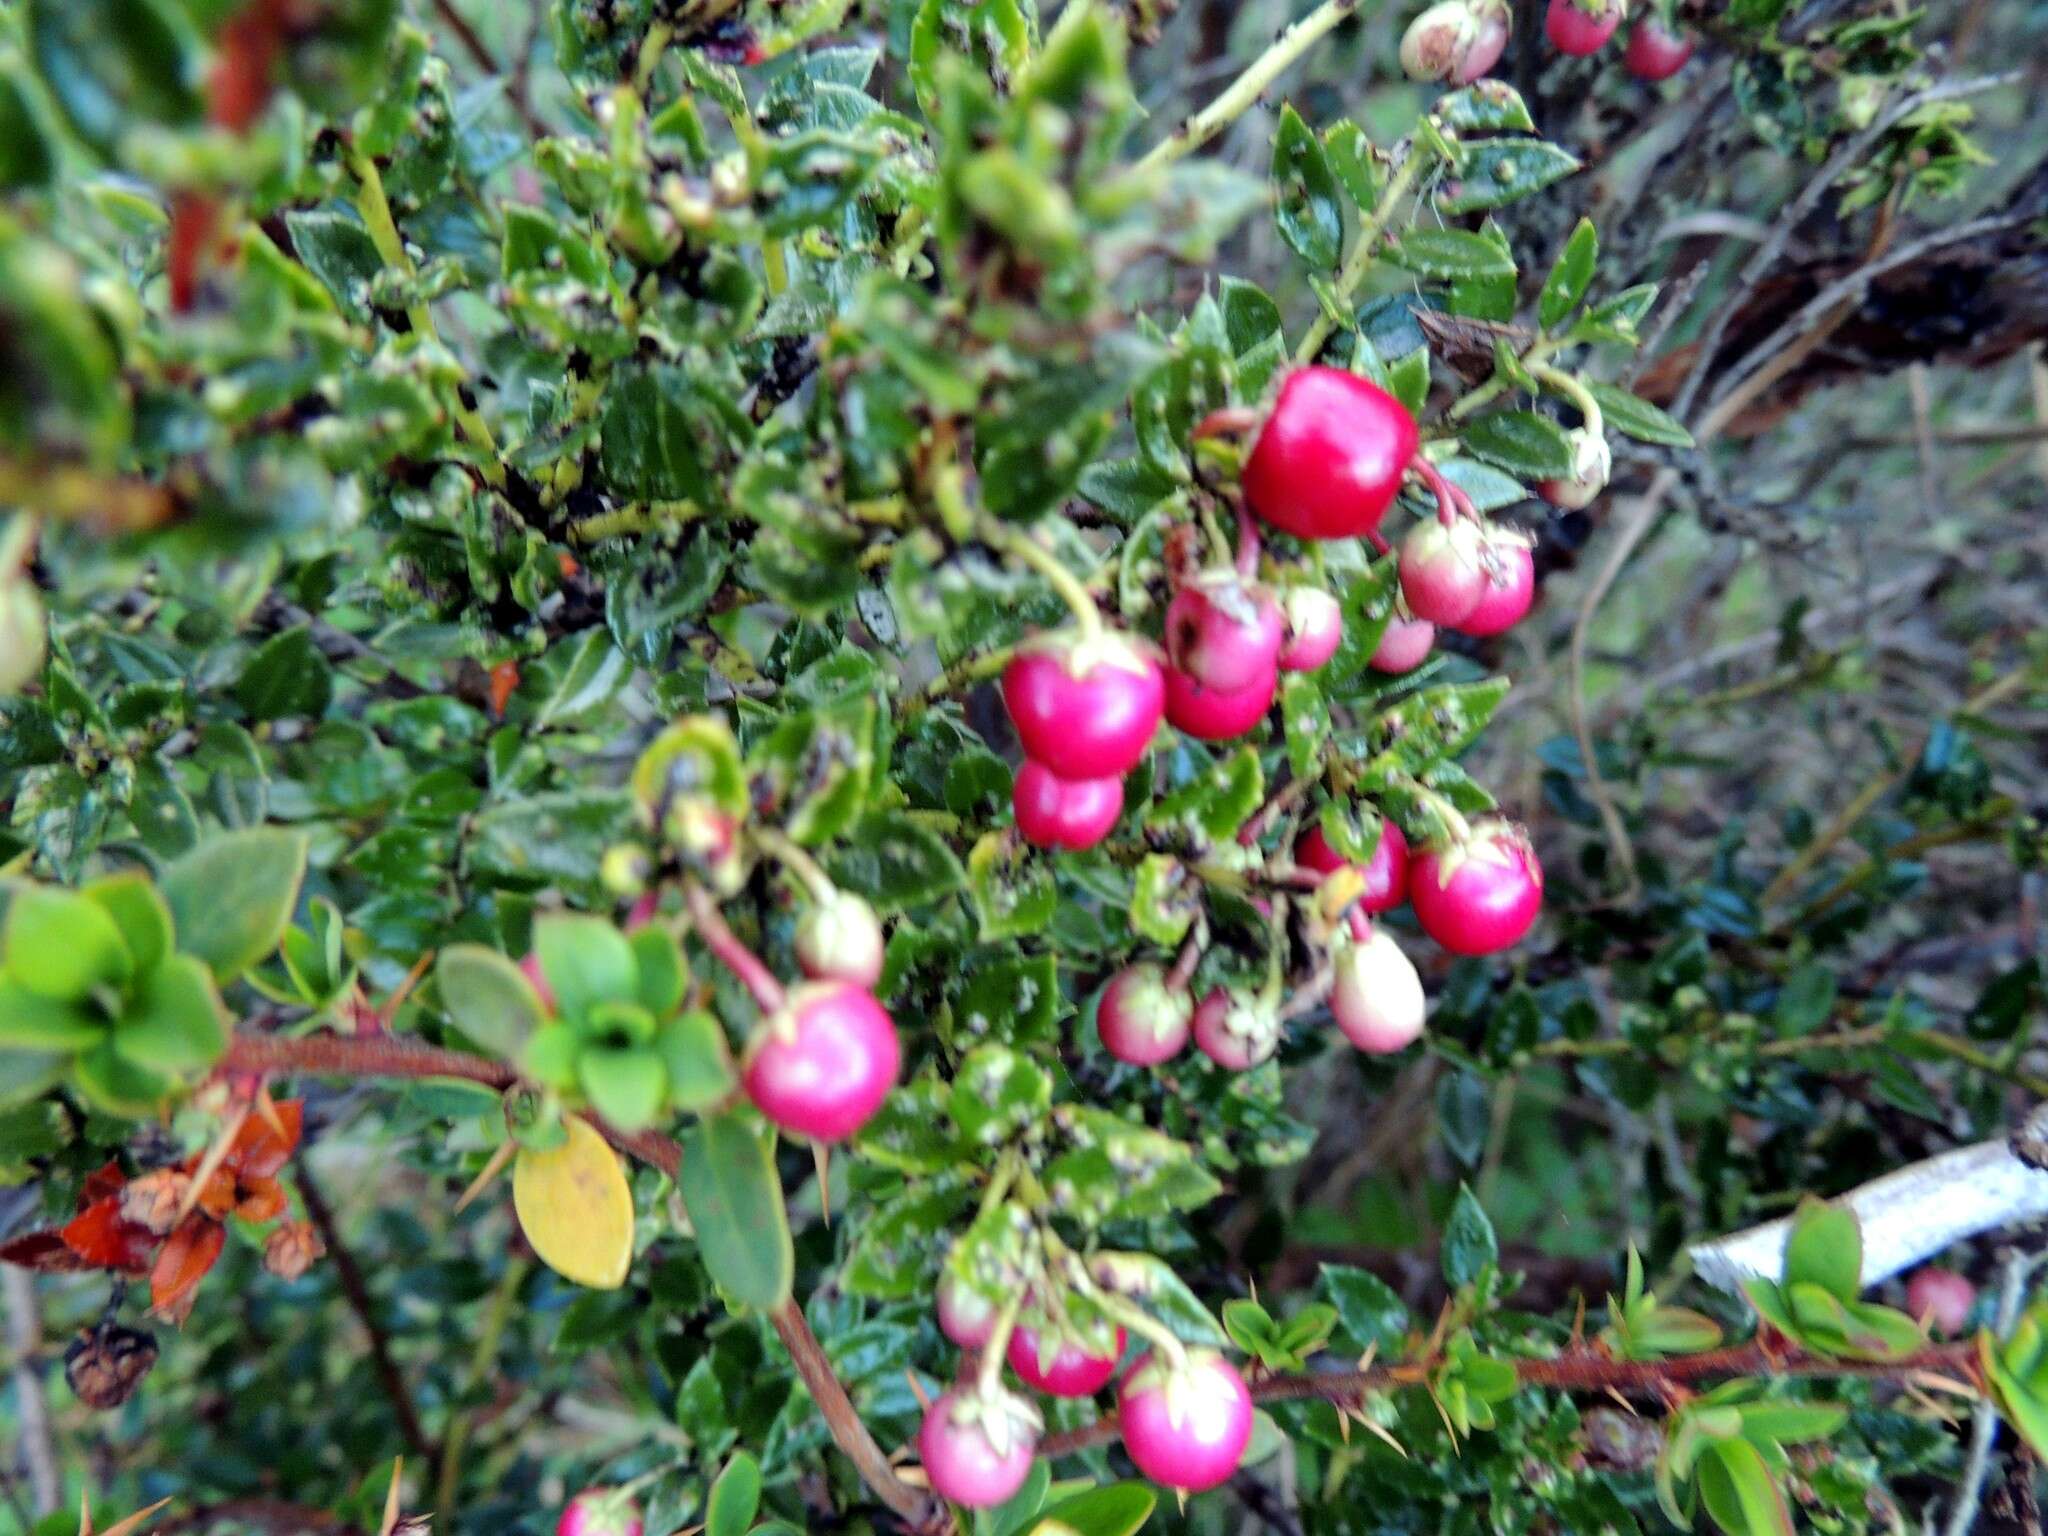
(32, 1408)
(1984, 1421)
(843, 1419)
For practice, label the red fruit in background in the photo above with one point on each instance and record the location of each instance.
(1087, 710)
(1656, 51)
(1942, 1298)
(1385, 873)
(1140, 1019)
(964, 1316)
(1573, 28)
(1053, 812)
(1376, 997)
(1223, 632)
(1069, 1371)
(822, 1065)
(1495, 23)
(1442, 577)
(1330, 457)
(1479, 895)
(1315, 628)
(1404, 645)
(599, 1512)
(1234, 1031)
(1208, 714)
(839, 938)
(1185, 1428)
(978, 1450)
(1509, 590)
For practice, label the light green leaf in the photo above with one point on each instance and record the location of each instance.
(489, 998)
(231, 898)
(734, 1200)
(586, 961)
(60, 945)
(735, 1497)
(175, 1024)
(1569, 276)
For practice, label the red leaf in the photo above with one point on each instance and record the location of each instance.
(257, 1153)
(100, 1183)
(217, 1198)
(262, 1200)
(45, 1250)
(99, 1236)
(190, 1253)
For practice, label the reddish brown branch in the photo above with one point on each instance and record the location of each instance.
(843, 1419)
(361, 1056)
(732, 954)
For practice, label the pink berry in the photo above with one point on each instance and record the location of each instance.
(1330, 457)
(1315, 628)
(965, 1316)
(1441, 575)
(1404, 645)
(1186, 1428)
(1656, 51)
(1592, 463)
(1070, 1370)
(1495, 23)
(1455, 41)
(1087, 710)
(1234, 1031)
(1385, 873)
(823, 1064)
(1210, 715)
(977, 1450)
(1574, 28)
(1510, 587)
(1140, 1019)
(839, 938)
(1053, 812)
(599, 1512)
(1478, 895)
(1377, 997)
(1223, 632)
(1942, 1298)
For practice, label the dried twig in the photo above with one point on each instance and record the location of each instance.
(32, 1409)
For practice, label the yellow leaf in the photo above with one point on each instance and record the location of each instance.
(573, 1202)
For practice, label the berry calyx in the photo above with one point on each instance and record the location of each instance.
(1053, 812)
(965, 1316)
(600, 1512)
(1376, 997)
(1085, 708)
(839, 938)
(1223, 632)
(1480, 893)
(1592, 463)
(1581, 27)
(1315, 628)
(1069, 1369)
(1385, 874)
(977, 1447)
(1940, 1298)
(1509, 589)
(1455, 41)
(1236, 1032)
(1656, 51)
(1404, 645)
(1330, 457)
(1141, 1019)
(822, 1065)
(1442, 577)
(1210, 714)
(1187, 1425)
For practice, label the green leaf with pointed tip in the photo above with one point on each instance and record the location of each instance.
(489, 998)
(1791, 1423)
(231, 898)
(996, 1093)
(735, 1497)
(1522, 443)
(1636, 417)
(625, 1085)
(1306, 206)
(586, 961)
(1469, 1244)
(1825, 1248)
(1121, 1509)
(663, 973)
(734, 1199)
(1452, 253)
(61, 945)
(120, 1087)
(1485, 106)
(174, 1025)
(1675, 1331)
(1739, 1493)
(1502, 171)
(1569, 275)
(699, 1063)
(1771, 1305)
(32, 1022)
(139, 912)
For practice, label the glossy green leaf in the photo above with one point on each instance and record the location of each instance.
(729, 1187)
(61, 945)
(175, 1023)
(1306, 208)
(1569, 275)
(232, 897)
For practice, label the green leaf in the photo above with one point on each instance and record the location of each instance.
(175, 1024)
(287, 678)
(891, 1259)
(1485, 106)
(735, 1497)
(1792, 1423)
(139, 912)
(1015, 999)
(734, 1200)
(1469, 1246)
(586, 961)
(1569, 276)
(895, 861)
(1368, 1308)
(997, 1093)
(1452, 253)
(1635, 417)
(117, 1085)
(1121, 1509)
(29, 1022)
(61, 945)
(488, 998)
(232, 897)
(697, 1060)
(1738, 1491)
(1825, 1248)
(1502, 171)
(1526, 445)
(625, 1085)
(1306, 194)
(1013, 895)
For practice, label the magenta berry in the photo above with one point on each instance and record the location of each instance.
(1315, 628)
(1581, 27)
(1655, 50)
(1404, 645)
(1207, 714)
(1142, 1020)
(839, 938)
(1377, 998)
(1185, 1426)
(1479, 894)
(964, 1316)
(1385, 873)
(1053, 812)
(1085, 709)
(1312, 850)
(1330, 457)
(1940, 1298)
(1223, 632)
(1070, 1369)
(599, 1512)
(1509, 590)
(824, 1062)
(1236, 1032)
(977, 1450)
(529, 967)
(1442, 577)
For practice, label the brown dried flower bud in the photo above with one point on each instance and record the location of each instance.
(291, 1248)
(105, 1364)
(154, 1199)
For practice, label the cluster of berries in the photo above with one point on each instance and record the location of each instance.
(1458, 41)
